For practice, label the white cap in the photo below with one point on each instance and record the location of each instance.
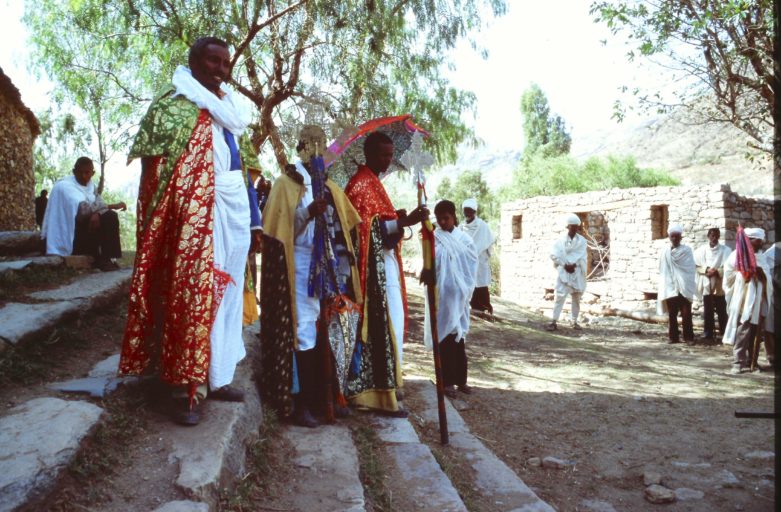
(757, 233)
(572, 218)
(675, 228)
(470, 203)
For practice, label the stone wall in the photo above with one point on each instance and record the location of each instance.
(634, 224)
(17, 181)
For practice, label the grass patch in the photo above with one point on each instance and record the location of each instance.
(35, 362)
(263, 463)
(371, 470)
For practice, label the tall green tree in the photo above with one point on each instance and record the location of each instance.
(471, 184)
(338, 62)
(63, 139)
(721, 50)
(544, 132)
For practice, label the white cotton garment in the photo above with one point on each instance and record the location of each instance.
(395, 300)
(228, 111)
(456, 267)
(483, 240)
(747, 300)
(709, 257)
(677, 272)
(59, 222)
(307, 308)
(566, 251)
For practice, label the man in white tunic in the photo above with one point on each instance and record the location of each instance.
(456, 264)
(677, 285)
(483, 240)
(710, 259)
(570, 260)
(749, 296)
(78, 221)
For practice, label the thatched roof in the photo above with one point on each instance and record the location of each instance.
(8, 89)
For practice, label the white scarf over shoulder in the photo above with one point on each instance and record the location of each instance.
(456, 267)
(710, 257)
(483, 239)
(747, 300)
(59, 222)
(567, 251)
(676, 275)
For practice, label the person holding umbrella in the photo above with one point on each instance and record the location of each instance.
(375, 371)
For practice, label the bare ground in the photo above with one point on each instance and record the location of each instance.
(616, 400)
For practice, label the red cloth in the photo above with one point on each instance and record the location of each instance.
(175, 288)
(367, 194)
(745, 259)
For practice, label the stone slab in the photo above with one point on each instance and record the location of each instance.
(37, 440)
(395, 430)
(423, 480)
(39, 261)
(96, 387)
(22, 322)
(430, 413)
(19, 242)
(493, 477)
(93, 287)
(325, 460)
(106, 368)
(14, 265)
(213, 454)
(78, 261)
(183, 506)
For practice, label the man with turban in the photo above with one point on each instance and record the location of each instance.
(677, 285)
(710, 259)
(570, 259)
(483, 239)
(749, 298)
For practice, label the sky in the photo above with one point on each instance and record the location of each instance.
(554, 44)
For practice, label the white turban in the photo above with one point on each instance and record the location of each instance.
(675, 228)
(573, 219)
(757, 233)
(470, 203)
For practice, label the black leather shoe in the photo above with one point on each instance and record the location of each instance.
(342, 412)
(303, 418)
(226, 394)
(186, 414)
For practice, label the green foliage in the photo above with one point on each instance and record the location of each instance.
(541, 176)
(471, 184)
(545, 133)
(722, 52)
(62, 140)
(337, 63)
(127, 219)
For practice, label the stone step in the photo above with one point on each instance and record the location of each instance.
(34, 261)
(14, 243)
(21, 322)
(493, 478)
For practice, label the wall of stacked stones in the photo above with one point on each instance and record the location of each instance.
(632, 221)
(17, 181)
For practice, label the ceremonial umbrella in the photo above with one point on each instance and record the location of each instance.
(346, 152)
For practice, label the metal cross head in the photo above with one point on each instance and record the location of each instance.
(417, 160)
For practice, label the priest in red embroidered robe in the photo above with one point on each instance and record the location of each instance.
(197, 218)
(375, 372)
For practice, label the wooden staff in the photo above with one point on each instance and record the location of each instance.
(429, 277)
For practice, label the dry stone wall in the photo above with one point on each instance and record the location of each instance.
(17, 181)
(633, 222)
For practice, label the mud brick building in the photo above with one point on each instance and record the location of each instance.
(18, 130)
(627, 228)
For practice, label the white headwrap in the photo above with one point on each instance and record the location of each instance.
(469, 203)
(675, 228)
(572, 218)
(757, 233)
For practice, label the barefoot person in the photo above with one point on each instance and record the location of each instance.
(196, 210)
(570, 259)
(677, 285)
(456, 264)
(379, 351)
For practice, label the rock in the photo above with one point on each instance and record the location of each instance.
(684, 494)
(183, 506)
(13, 265)
(93, 287)
(534, 461)
(596, 506)
(651, 478)
(460, 405)
(21, 322)
(556, 463)
(727, 480)
(37, 440)
(78, 261)
(658, 494)
(19, 242)
(763, 455)
(106, 368)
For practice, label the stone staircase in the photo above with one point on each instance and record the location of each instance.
(40, 437)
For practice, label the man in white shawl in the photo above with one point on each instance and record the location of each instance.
(749, 300)
(78, 221)
(483, 240)
(677, 285)
(570, 260)
(710, 259)
(456, 267)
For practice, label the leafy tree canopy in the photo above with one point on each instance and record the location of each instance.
(471, 184)
(328, 62)
(723, 48)
(545, 133)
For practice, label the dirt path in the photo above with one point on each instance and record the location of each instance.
(617, 401)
